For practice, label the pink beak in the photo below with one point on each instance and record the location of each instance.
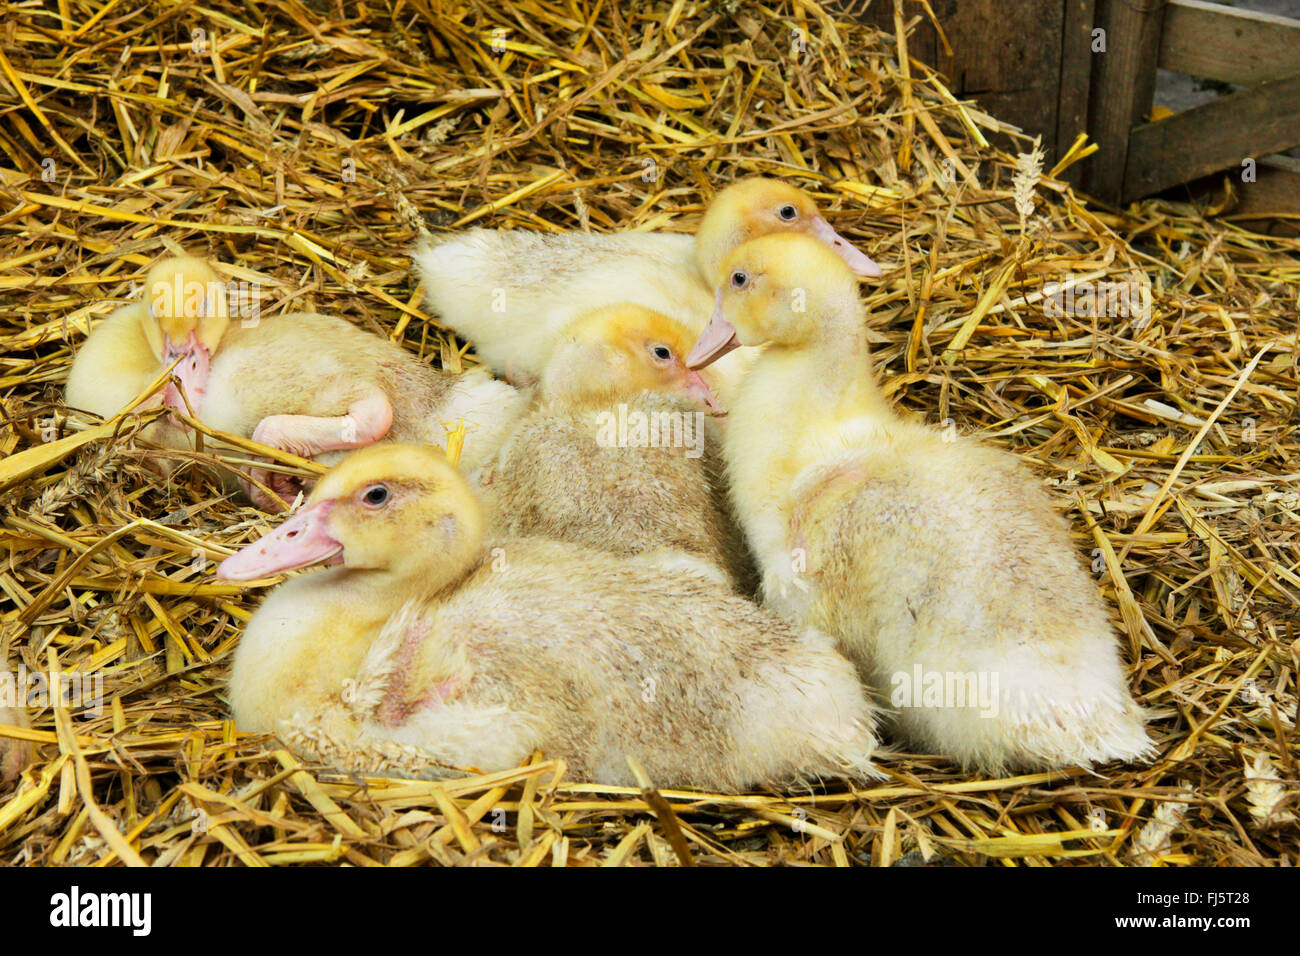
(855, 257)
(717, 339)
(191, 372)
(699, 390)
(300, 542)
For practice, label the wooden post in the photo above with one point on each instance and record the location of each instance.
(1123, 87)
(1076, 79)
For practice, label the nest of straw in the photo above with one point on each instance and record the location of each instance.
(306, 145)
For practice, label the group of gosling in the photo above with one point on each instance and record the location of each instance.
(734, 608)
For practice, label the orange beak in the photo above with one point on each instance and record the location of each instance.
(699, 390)
(857, 259)
(191, 372)
(717, 339)
(300, 542)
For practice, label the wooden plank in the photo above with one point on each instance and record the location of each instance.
(922, 42)
(1006, 55)
(1076, 77)
(1270, 205)
(1235, 46)
(1003, 51)
(1123, 87)
(1217, 135)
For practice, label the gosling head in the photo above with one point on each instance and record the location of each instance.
(622, 350)
(756, 207)
(777, 289)
(185, 318)
(394, 510)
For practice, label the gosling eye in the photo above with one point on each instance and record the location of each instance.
(662, 353)
(375, 495)
(739, 279)
(788, 212)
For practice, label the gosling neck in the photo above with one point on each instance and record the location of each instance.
(832, 367)
(426, 567)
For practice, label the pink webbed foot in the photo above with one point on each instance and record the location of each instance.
(189, 375)
(14, 754)
(284, 489)
(518, 377)
(306, 436)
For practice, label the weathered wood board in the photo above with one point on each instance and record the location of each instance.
(1222, 43)
(1218, 135)
(1123, 86)
(1006, 56)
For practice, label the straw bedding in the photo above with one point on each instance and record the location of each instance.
(306, 145)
